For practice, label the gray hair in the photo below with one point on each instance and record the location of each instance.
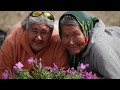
(68, 19)
(29, 20)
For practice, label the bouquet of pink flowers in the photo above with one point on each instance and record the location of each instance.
(46, 72)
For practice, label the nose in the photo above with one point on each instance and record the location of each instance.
(39, 37)
(71, 41)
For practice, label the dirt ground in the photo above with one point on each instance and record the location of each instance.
(9, 18)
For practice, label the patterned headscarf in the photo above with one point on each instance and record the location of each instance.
(86, 23)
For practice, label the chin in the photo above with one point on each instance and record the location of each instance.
(36, 49)
(75, 53)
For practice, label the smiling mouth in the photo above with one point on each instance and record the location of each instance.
(38, 43)
(72, 46)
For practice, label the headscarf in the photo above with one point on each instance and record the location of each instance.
(87, 24)
(39, 19)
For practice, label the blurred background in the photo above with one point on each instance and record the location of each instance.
(10, 18)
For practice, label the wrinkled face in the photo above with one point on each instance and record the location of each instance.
(38, 36)
(73, 38)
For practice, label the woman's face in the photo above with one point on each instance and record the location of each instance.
(73, 39)
(38, 36)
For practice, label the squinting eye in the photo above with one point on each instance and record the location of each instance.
(76, 35)
(44, 32)
(64, 36)
(34, 32)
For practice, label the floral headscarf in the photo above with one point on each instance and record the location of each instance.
(87, 24)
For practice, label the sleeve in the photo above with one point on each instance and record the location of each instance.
(106, 61)
(61, 57)
(6, 57)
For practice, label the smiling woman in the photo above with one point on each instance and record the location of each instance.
(88, 40)
(38, 36)
(73, 38)
(16, 47)
(34, 37)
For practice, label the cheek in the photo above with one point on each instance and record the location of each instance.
(81, 44)
(65, 42)
(31, 38)
(81, 40)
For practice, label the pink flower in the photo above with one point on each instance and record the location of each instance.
(40, 65)
(18, 66)
(88, 75)
(47, 68)
(68, 71)
(55, 67)
(81, 67)
(30, 60)
(95, 76)
(5, 74)
(72, 71)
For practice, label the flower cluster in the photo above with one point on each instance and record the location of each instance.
(46, 72)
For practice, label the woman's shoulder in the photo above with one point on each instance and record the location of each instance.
(55, 36)
(12, 33)
(113, 27)
(14, 29)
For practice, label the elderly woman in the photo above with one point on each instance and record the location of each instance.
(89, 41)
(35, 38)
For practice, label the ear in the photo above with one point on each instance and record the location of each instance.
(86, 39)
